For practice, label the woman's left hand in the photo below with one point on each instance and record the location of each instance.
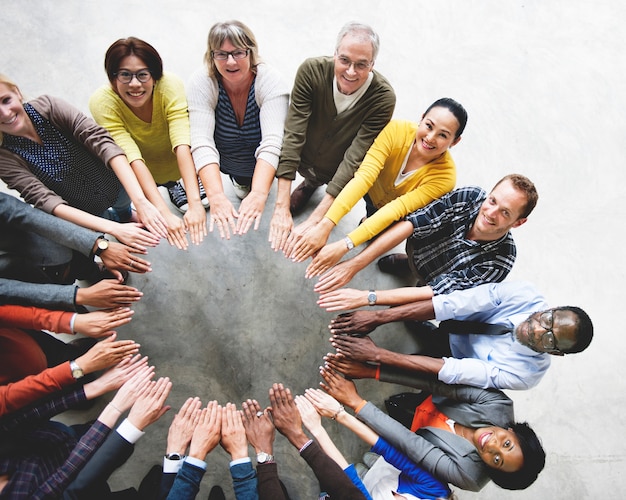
(151, 218)
(250, 210)
(195, 222)
(280, 228)
(324, 403)
(310, 417)
(176, 235)
(326, 258)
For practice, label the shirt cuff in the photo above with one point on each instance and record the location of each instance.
(196, 461)
(72, 323)
(129, 432)
(244, 460)
(171, 466)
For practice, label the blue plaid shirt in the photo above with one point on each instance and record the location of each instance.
(442, 254)
(45, 456)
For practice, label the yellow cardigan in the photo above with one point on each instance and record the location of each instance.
(377, 175)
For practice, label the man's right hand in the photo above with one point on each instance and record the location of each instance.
(356, 323)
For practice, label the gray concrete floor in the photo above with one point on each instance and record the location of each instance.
(542, 82)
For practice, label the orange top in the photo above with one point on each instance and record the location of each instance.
(427, 415)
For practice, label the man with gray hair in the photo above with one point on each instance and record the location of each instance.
(338, 106)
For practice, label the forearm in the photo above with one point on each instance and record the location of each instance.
(84, 219)
(413, 362)
(283, 192)
(359, 428)
(404, 295)
(321, 209)
(211, 180)
(327, 444)
(263, 177)
(124, 172)
(419, 311)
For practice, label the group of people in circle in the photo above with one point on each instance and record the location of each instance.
(238, 117)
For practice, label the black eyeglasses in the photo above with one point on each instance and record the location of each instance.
(548, 340)
(222, 55)
(127, 76)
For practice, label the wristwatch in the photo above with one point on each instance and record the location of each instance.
(371, 298)
(174, 456)
(264, 458)
(77, 371)
(101, 246)
(349, 243)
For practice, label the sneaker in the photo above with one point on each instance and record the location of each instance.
(178, 196)
(240, 190)
(203, 198)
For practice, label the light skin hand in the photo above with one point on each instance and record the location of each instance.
(151, 218)
(324, 403)
(133, 388)
(296, 235)
(326, 258)
(133, 235)
(286, 416)
(150, 405)
(310, 242)
(233, 433)
(336, 277)
(356, 323)
(282, 221)
(107, 294)
(175, 230)
(250, 211)
(206, 435)
(106, 353)
(118, 257)
(223, 215)
(341, 389)
(310, 418)
(349, 368)
(183, 425)
(113, 378)
(98, 324)
(260, 431)
(342, 300)
(195, 222)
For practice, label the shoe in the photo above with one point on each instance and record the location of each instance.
(369, 458)
(203, 198)
(178, 196)
(361, 470)
(240, 190)
(301, 195)
(216, 493)
(396, 264)
(82, 345)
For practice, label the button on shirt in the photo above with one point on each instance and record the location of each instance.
(497, 361)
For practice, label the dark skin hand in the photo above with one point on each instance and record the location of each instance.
(340, 388)
(356, 348)
(260, 430)
(356, 323)
(286, 416)
(349, 368)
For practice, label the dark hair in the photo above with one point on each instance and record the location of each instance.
(132, 46)
(455, 108)
(584, 329)
(534, 460)
(525, 185)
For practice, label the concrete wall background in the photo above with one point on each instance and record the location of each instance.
(543, 86)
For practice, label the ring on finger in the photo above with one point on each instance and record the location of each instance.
(259, 414)
(131, 263)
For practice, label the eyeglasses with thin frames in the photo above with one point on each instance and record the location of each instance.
(125, 76)
(222, 55)
(358, 66)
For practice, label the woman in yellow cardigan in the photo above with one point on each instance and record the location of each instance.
(407, 167)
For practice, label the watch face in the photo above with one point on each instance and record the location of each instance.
(103, 244)
(262, 457)
(371, 298)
